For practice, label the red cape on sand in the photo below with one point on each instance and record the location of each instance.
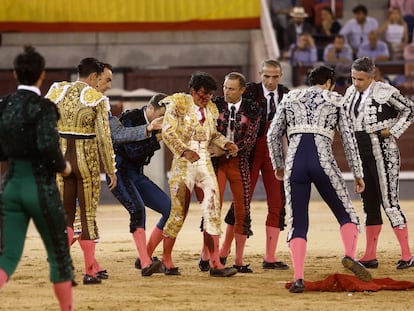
(349, 283)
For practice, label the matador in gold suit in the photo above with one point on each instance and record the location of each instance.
(85, 135)
(189, 128)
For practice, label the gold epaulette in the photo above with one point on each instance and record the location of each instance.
(181, 100)
(91, 97)
(57, 91)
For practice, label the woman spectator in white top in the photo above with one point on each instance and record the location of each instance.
(395, 33)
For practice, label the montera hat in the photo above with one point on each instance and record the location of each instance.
(298, 11)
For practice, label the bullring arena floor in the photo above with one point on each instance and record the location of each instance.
(29, 287)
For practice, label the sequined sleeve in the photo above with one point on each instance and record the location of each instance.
(406, 113)
(169, 132)
(349, 142)
(274, 137)
(103, 136)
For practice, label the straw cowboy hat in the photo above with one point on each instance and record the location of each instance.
(298, 11)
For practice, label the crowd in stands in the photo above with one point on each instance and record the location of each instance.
(308, 32)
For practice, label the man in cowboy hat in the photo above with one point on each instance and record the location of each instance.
(297, 26)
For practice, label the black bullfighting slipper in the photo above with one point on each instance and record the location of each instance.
(298, 286)
(103, 274)
(357, 268)
(138, 264)
(223, 260)
(172, 271)
(89, 280)
(402, 264)
(225, 272)
(204, 265)
(277, 265)
(153, 267)
(370, 264)
(243, 269)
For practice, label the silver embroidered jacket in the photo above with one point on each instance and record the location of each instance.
(317, 111)
(384, 107)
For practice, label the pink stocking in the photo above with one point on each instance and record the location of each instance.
(349, 234)
(212, 243)
(167, 252)
(154, 240)
(205, 254)
(88, 248)
(272, 236)
(402, 236)
(298, 253)
(63, 292)
(141, 245)
(372, 233)
(3, 277)
(96, 266)
(228, 239)
(240, 244)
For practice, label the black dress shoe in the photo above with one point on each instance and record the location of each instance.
(204, 265)
(243, 269)
(138, 264)
(357, 268)
(153, 267)
(223, 272)
(161, 269)
(298, 286)
(103, 274)
(89, 279)
(223, 260)
(172, 271)
(277, 265)
(403, 264)
(370, 264)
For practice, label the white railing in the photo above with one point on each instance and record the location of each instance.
(268, 31)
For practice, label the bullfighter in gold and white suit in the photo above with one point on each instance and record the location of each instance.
(189, 128)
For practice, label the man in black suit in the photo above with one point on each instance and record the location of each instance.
(267, 94)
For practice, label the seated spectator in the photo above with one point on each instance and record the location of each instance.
(304, 52)
(375, 49)
(326, 32)
(297, 26)
(320, 5)
(329, 25)
(406, 80)
(407, 11)
(395, 33)
(338, 52)
(356, 29)
(314, 7)
(279, 11)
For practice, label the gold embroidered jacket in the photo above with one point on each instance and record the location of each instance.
(84, 111)
(181, 124)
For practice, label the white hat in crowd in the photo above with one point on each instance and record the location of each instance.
(298, 11)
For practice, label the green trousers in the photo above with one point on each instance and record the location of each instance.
(22, 199)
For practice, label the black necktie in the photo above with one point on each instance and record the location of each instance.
(232, 117)
(356, 106)
(272, 107)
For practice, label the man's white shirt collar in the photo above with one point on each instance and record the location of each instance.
(237, 105)
(31, 88)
